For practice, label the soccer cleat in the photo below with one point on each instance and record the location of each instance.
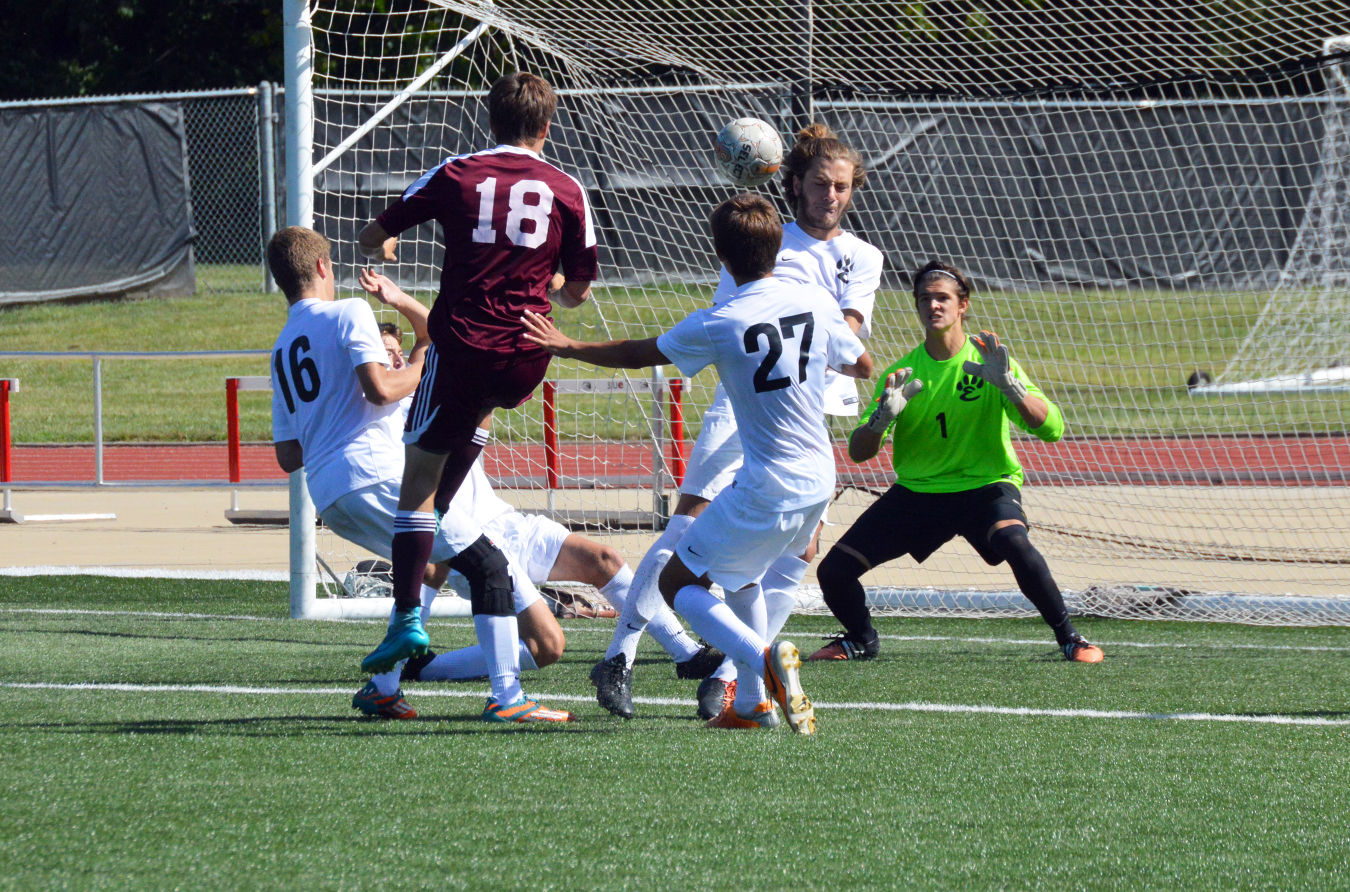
(842, 647)
(1078, 650)
(764, 716)
(406, 638)
(371, 702)
(412, 670)
(701, 664)
(523, 711)
(715, 696)
(781, 662)
(613, 680)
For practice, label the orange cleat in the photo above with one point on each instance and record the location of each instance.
(764, 716)
(1078, 650)
(781, 662)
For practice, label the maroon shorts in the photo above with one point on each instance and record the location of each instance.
(458, 386)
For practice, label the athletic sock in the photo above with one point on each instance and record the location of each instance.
(616, 590)
(780, 591)
(720, 627)
(500, 641)
(1034, 579)
(414, 533)
(839, 576)
(748, 605)
(468, 663)
(428, 595)
(644, 602)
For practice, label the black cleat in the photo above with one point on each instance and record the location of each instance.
(613, 680)
(845, 647)
(715, 695)
(701, 664)
(412, 670)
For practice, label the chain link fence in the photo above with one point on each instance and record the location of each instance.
(235, 155)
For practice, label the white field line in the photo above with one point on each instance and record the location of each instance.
(950, 708)
(572, 627)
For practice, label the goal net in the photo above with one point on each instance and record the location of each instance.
(1144, 197)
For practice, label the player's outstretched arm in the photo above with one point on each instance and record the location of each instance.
(610, 354)
(996, 368)
(376, 244)
(389, 294)
(865, 441)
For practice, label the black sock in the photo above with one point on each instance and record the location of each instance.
(1034, 579)
(839, 576)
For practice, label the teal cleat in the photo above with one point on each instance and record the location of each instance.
(405, 638)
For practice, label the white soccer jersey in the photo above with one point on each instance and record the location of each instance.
(771, 342)
(347, 441)
(847, 267)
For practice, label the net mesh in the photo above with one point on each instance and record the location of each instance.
(1152, 203)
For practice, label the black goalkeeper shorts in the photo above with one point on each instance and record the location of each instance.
(919, 523)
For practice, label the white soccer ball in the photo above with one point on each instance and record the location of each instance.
(748, 151)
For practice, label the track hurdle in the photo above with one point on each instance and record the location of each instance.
(661, 389)
(7, 512)
(234, 514)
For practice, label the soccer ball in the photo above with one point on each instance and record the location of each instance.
(748, 151)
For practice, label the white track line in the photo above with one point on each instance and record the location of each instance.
(952, 708)
(1034, 642)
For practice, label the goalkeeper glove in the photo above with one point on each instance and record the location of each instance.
(900, 389)
(997, 366)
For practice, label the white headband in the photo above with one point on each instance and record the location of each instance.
(940, 272)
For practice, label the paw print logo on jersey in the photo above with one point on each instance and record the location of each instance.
(968, 388)
(843, 268)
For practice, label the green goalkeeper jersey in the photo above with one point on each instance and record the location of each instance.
(953, 435)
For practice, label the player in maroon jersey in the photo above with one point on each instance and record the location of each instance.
(509, 221)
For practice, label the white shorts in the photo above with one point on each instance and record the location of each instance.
(533, 540)
(366, 517)
(739, 535)
(716, 456)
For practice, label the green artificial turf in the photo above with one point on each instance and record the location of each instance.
(268, 779)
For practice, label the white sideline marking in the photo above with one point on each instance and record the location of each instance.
(150, 573)
(1034, 642)
(954, 708)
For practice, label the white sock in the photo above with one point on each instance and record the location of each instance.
(720, 627)
(780, 591)
(468, 663)
(500, 639)
(428, 595)
(748, 605)
(644, 600)
(616, 590)
(387, 682)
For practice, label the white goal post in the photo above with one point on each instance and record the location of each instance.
(1135, 197)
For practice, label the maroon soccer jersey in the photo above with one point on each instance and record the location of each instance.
(509, 220)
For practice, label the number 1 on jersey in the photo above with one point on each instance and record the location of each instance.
(518, 210)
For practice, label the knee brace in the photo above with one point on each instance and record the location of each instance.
(490, 586)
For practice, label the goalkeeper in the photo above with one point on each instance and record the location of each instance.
(946, 405)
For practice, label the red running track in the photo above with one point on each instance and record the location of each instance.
(1216, 460)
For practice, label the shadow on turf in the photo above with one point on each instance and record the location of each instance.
(275, 726)
(91, 633)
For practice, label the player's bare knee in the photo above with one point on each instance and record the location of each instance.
(489, 577)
